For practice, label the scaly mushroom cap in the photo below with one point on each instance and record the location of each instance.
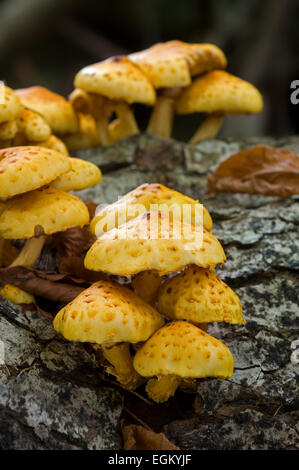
(117, 78)
(171, 64)
(199, 296)
(8, 129)
(26, 168)
(107, 312)
(54, 143)
(55, 109)
(34, 126)
(83, 174)
(10, 106)
(219, 91)
(182, 349)
(47, 209)
(140, 200)
(152, 242)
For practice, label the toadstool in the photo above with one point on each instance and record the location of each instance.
(180, 351)
(111, 317)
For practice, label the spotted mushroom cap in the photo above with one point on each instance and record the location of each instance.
(26, 168)
(107, 312)
(34, 126)
(172, 63)
(10, 106)
(182, 349)
(199, 296)
(117, 78)
(83, 174)
(140, 200)
(152, 242)
(54, 108)
(49, 210)
(54, 143)
(8, 129)
(219, 91)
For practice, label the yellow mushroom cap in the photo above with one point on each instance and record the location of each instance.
(54, 143)
(219, 91)
(8, 129)
(34, 126)
(140, 200)
(137, 246)
(10, 106)
(199, 296)
(16, 295)
(83, 174)
(55, 109)
(48, 209)
(107, 312)
(117, 78)
(26, 168)
(182, 349)
(172, 63)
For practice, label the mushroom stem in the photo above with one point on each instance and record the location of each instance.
(127, 119)
(163, 387)
(102, 128)
(30, 252)
(146, 285)
(161, 119)
(208, 129)
(122, 365)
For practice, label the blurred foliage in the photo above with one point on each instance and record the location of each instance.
(47, 41)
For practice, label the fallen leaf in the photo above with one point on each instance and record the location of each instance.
(260, 170)
(49, 285)
(139, 438)
(74, 241)
(73, 266)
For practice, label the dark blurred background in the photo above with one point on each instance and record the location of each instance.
(46, 42)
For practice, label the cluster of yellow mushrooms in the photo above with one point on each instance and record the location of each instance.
(172, 77)
(155, 327)
(121, 320)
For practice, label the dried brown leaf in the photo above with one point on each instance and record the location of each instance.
(139, 438)
(260, 170)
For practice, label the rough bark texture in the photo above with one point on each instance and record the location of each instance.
(51, 395)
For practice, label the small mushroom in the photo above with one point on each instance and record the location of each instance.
(36, 214)
(16, 295)
(217, 93)
(199, 296)
(82, 175)
(152, 241)
(111, 317)
(180, 351)
(33, 126)
(170, 66)
(54, 108)
(122, 82)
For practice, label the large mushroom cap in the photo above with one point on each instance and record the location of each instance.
(26, 168)
(47, 209)
(219, 91)
(140, 200)
(10, 106)
(199, 296)
(107, 312)
(83, 174)
(182, 349)
(55, 109)
(172, 63)
(153, 242)
(117, 78)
